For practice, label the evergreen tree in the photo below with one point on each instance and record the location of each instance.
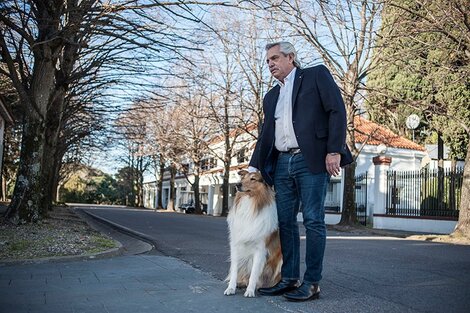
(425, 67)
(424, 72)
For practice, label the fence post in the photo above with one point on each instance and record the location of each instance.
(382, 164)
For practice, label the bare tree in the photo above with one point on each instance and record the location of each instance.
(163, 143)
(133, 127)
(222, 75)
(193, 132)
(46, 47)
(247, 40)
(343, 33)
(80, 131)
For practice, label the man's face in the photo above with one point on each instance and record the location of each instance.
(279, 64)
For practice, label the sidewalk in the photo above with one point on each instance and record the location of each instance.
(150, 282)
(141, 283)
(133, 282)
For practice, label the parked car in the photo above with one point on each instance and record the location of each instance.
(189, 207)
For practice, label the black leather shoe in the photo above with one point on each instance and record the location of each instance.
(304, 292)
(281, 287)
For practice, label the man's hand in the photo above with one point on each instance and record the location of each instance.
(332, 163)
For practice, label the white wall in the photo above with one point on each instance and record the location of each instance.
(414, 224)
(402, 159)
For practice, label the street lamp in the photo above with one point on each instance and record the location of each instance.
(412, 123)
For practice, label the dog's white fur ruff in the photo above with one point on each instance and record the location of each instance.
(254, 245)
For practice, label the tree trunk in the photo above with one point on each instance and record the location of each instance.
(171, 200)
(42, 101)
(463, 226)
(140, 182)
(225, 189)
(197, 198)
(440, 172)
(133, 181)
(349, 215)
(57, 192)
(29, 201)
(4, 188)
(160, 185)
(55, 187)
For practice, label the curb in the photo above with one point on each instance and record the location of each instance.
(120, 228)
(66, 258)
(113, 252)
(373, 231)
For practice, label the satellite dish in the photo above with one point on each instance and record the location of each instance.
(412, 121)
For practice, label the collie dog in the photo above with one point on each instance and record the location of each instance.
(255, 250)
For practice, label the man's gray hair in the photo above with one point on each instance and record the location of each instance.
(286, 48)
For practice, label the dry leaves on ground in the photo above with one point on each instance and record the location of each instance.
(63, 234)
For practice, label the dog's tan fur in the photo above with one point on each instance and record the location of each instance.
(253, 223)
(253, 186)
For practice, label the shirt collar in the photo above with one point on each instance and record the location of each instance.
(290, 77)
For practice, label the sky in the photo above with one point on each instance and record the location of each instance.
(122, 95)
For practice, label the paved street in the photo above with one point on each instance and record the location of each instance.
(361, 274)
(423, 276)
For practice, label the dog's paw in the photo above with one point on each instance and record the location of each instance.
(250, 293)
(229, 291)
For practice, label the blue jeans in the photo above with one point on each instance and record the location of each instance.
(295, 184)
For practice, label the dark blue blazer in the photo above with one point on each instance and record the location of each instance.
(318, 117)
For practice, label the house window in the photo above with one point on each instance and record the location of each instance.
(207, 164)
(242, 156)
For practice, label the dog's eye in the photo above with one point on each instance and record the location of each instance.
(252, 178)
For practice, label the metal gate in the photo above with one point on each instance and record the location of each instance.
(425, 192)
(361, 198)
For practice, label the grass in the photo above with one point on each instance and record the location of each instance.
(103, 243)
(19, 245)
(51, 238)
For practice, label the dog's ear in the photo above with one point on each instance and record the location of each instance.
(242, 173)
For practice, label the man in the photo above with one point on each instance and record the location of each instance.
(301, 144)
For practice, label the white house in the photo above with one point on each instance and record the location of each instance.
(406, 155)
(6, 119)
(431, 159)
(391, 152)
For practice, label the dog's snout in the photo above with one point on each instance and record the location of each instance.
(239, 186)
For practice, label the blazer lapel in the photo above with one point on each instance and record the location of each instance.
(276, 90)
(297, 83)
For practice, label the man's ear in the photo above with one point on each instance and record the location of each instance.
(291, 57)
(242, 173)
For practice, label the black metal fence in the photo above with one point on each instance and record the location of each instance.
(361, 198)
(424, 193)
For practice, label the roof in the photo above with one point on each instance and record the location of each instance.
(366, 131)
(375, 134)
(221, 170)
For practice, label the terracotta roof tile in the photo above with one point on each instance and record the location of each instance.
(375, 134)
(366, 130)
